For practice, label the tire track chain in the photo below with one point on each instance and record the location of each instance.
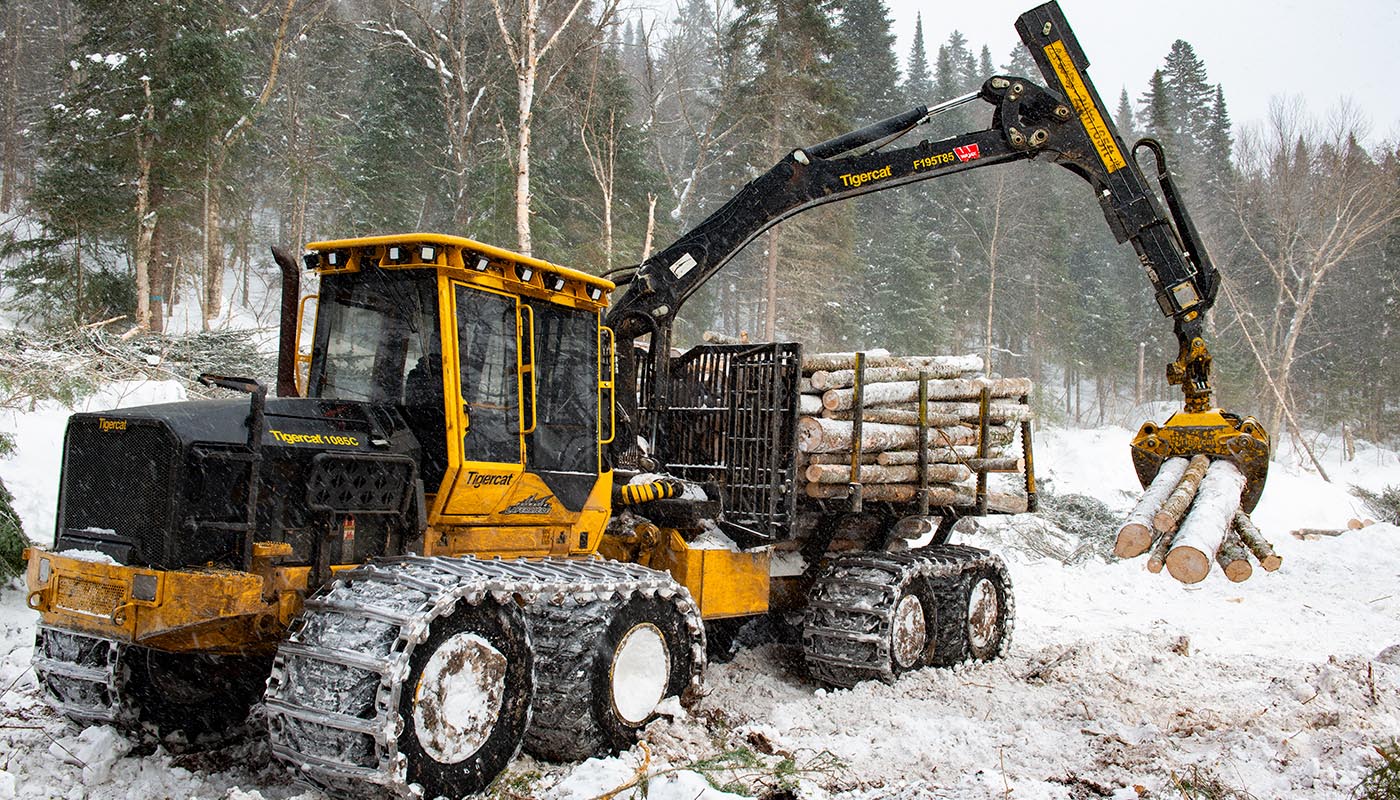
(333, 696)
(79, 676)
(564, 635)
(850, 608)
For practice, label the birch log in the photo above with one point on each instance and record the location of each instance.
(997, 412)
(815, 362)
(1135, 537)
(1201, 532)
(809, 405)
(1168, 517)
(877, 394)
(893, 416)
(893, 493)
(1233, 558)
(843, 378)
(1262, 550)
(935, 456)
(819, 435)
(875, 473)
(1159, 552)
(842, 458)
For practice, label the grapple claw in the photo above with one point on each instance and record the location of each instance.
(1215, 433)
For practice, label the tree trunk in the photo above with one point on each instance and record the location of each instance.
(818, 435)
(1135, 537)
(770, 287)
(814, 362)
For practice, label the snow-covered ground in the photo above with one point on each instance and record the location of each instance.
(1118, 680)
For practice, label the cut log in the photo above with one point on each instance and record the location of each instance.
(1201, 532)
(877, 394)
(947, 455)
(1007, 503)
(997, 412)
(875, 473)
(814, 362)
(1316, 533)
(715, 337)
(1163, 545)
(809, 405)
(1233, 558)
(841, 458)
(1168, 517)
(818, 435)
(843, 378)
(893, 493)
(996, 464)
(1135, 537)
(1255, 541)
(892, 416)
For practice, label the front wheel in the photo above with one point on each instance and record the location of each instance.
(466, 703)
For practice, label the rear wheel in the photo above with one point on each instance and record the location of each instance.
(604, 667)
(977, 616)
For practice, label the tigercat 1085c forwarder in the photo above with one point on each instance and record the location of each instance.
(399, 555)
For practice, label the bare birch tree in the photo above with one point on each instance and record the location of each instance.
(1309, 199)
(531, 30)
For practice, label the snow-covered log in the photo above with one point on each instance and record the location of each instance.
(1135, 537)
(809, 405)
(843, 378)
(947, 455)
(894, 493)
(997, 412)
(1252, 539)
(1201, 532)
(894, 416)
(819, 435)
(875, 473)
(877, 394)
(814, 362)
(1168, 517)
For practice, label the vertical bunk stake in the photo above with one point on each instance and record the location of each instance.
(1032, 504)
(923, 443)
(857, 502)
(983, 411)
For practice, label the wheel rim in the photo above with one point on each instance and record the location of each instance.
(983, 612)
(641, 669)
(909, 636)
(458, 698)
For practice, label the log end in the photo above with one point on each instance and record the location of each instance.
(1271, 562)
(1154, 565)
(1188, 565)
(1134, 539)
(1238, 571)
(1164, 523)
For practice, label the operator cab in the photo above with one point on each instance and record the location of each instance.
(497, 362)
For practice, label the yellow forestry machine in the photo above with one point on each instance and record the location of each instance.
(399, 555)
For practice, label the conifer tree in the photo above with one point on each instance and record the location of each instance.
(866, 66)
(918, 81)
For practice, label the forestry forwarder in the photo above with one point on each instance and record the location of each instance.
(395, 555)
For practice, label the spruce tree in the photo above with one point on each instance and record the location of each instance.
(866, 66)
(918, 81)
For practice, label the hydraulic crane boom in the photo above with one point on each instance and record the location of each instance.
(1063, 122)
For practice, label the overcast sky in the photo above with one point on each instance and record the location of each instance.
(1258, 49)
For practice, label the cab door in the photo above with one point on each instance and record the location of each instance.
(483, 388)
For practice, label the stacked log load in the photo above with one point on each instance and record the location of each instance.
(881, 398)
(1189, 516)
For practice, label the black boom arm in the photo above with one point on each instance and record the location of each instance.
(1063, 122)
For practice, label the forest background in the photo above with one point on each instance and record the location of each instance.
(150, 150)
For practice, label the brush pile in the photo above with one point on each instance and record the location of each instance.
(899, 426)
(1189, 516)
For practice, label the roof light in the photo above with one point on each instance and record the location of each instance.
(524, 273)
(595, 292)
(397, 254)
(428, 253)
(556, 283)
(311, 260)
(481, 263)
(335, 258)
